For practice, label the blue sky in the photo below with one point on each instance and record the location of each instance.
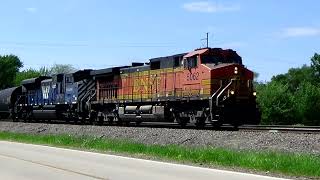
(270, 35)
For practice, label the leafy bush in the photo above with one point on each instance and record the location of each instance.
(293, 97)
(276, 103)
(307, 104)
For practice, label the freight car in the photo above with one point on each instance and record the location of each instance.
(8, 99)
(208, 85)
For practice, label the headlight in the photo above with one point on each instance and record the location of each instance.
(232, 92)
(235, 70)
(254, 93)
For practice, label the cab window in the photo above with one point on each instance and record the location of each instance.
(208, 59)
(216, 59)
(191, 62)
(176, 62)
(69, 79)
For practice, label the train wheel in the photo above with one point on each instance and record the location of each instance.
(200, 122)
(235, 125)
(14, 118)
(29, 117)
(75, 120)
(110, 120)
(24, 117)
(100, 120)
(138, 123)
(83, 120)
(92, 118)
(67, 120)
(216, 124)
(127, 123)
(182, 121)
(119, 123)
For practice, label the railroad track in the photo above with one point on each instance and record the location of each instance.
(269, 128)
(282, 128)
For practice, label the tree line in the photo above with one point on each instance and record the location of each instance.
(11, 72)
(293, 97)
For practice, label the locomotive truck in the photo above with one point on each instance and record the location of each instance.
(208, 85)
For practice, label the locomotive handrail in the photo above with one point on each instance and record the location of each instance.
(216, 91)
(18, 99)
(92, 94)
(211, 102)
(223, 90)
(80, 107)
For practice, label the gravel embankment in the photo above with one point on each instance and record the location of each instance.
(240, 140)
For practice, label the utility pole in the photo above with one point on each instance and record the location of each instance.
(207, 40)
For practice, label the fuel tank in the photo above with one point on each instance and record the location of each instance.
(47, 112)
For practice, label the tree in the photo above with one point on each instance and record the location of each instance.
(255, 76)
(293, 97)
(26, 74)
(58, 69)
(44, 71)
(315, 64)
(307, 104)
(296, 76)
(9, 66)
(276, 103)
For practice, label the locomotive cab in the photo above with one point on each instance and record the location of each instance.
(218, 75)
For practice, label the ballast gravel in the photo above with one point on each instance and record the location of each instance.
(238, 140)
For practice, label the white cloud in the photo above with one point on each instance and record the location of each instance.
(209, 7)
(300, 31)
(31, 9)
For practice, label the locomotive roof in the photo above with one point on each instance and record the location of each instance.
(81, 74)
(165, 62)
(34, 80)
(47, 80)
(100, 72)
(135, 69)
(205, 50)
(196, 52)
(167, 57)
(84, 71)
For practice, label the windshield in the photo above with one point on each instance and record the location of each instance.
(216, 59)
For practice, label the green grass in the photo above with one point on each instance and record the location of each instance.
(274, 162)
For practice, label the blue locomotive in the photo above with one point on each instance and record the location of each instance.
(48, 98)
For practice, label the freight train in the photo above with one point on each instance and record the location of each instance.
(208, 85)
